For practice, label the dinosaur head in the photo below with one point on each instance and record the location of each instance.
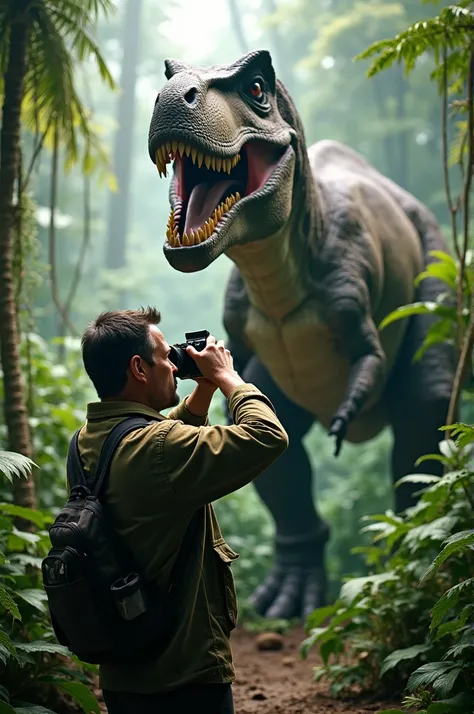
(232, 151)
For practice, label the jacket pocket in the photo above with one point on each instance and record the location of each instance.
(225, 556)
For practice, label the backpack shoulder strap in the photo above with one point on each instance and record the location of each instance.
(110, 445)
(75, 472)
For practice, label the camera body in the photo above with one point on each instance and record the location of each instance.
(187, 367)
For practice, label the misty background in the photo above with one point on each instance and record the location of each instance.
(109, 242)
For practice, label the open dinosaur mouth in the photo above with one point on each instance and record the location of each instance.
(206, 188)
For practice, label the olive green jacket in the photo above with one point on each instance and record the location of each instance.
(159, 477)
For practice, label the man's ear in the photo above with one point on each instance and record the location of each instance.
(136, 368)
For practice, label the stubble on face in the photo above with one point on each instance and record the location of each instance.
(166, 394)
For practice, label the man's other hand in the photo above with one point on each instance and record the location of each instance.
(217, 365)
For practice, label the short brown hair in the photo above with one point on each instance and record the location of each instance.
(110, 342)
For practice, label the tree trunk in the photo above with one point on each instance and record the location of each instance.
(123, 146)
(16, 415)
(236, 22)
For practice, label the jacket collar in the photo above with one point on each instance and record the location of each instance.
(97, 411)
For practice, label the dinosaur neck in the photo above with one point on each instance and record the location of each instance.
(272, 272)
(275, 269)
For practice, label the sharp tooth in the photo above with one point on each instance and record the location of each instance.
(187, 149)
(207, 161)
(211, 225)
(185, 239)
(229, 166)
(200, 235)
(171, 240)
(174, 146)
(191, 237)
(168, 147)
(237, 196)
(218, 164)
(219, 213)
(213, 163)
(181, 147)
(193, 155)
(200, 159)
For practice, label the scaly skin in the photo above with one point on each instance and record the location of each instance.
(324, 246)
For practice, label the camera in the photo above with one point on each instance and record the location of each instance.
(187, 367)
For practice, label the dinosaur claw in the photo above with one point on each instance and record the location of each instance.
(338, 429)
(290, 593)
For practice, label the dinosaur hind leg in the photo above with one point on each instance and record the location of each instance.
(295, 585)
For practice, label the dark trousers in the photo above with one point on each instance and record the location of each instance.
(205, 698)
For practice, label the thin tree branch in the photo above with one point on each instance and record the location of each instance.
(52, 236)
(84, 246)
(469, 336)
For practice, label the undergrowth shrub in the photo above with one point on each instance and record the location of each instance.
(410, 622)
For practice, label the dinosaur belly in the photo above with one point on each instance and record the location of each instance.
(302, 357)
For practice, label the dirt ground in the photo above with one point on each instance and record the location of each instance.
(279, 682)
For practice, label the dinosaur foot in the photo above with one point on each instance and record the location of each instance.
(296, 585)
(289, 593)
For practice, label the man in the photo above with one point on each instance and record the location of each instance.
(160, 477)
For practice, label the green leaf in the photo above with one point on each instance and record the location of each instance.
(6, 708)
(455, 544)
(418, 478)
(33, 709)
(445, 683)
(428, 674)
(445, 271)
(13, 464)
(402, 655)
(316, 618)
(34, 597)
(8, 604)
(28, 514)
(418, 308)
(436, 530)
(440, 331)
(81, 694)
(6, 642)
(447, 447)
(354, 587)
(31, 538)
(459, 651)
(42, 646)
(333, 646)
(438, 708)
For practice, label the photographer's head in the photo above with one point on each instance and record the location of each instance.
(126, 358)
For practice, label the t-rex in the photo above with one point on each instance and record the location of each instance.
(324, 247)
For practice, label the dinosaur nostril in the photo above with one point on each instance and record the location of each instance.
(191, 95)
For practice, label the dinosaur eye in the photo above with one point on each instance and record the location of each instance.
(255, 89)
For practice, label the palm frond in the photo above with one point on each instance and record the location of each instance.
(61, 37)
(13, 464)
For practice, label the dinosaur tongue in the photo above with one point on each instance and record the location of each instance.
(204, 198)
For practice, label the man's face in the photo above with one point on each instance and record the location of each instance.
(161, 382)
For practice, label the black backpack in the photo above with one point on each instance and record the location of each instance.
(101, 608)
